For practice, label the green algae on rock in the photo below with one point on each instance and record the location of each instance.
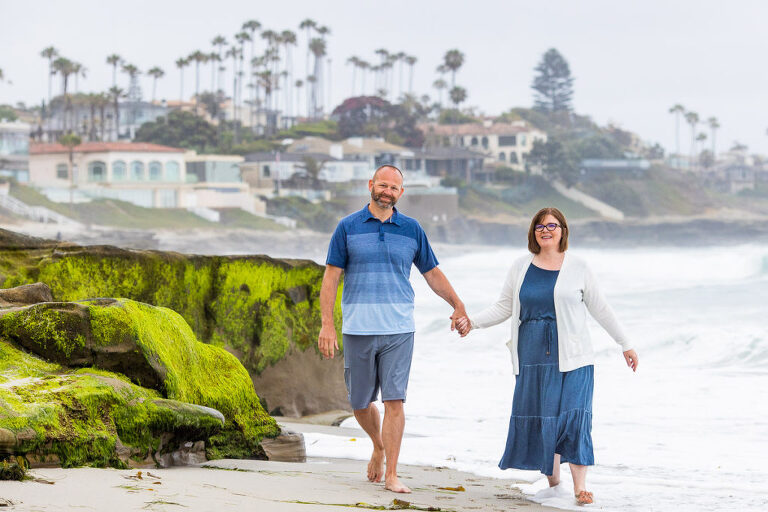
(263, 310)
(52, 414)
(153, 347)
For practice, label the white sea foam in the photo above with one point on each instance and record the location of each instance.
(688, 432)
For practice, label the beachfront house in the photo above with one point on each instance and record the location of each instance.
(500, 142)
(14, 150)
(144, 174)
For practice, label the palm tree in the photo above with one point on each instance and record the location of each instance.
(399, 58)
(2, 77)
(114, 60)
(70, 141)
(440, 85)
(50, 53)
(116, 94)
(234, 53)
(410, 60)
(241, 37)
(364, 67)
(677, 110)
(298, 84)
(692, 118)
(65, 68)
(197, 57)
(181, 63)
(155, 73)
(80, 70)
(220, 43)
(453, 60)
(355, 61)
(458, 95)
(102, 102)
(213, 58)
(288, 38)
(714, 124)
(317, 46)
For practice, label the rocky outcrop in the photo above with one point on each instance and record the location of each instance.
(146, 390)
(262, 310)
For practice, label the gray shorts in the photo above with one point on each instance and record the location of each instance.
(377, 361)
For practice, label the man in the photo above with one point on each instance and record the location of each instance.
(375, 247)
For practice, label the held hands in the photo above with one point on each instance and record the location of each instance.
(460, 322)
(327, 342)
(630, 356)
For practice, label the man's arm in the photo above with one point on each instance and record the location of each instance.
(326, 341)
(440, 285)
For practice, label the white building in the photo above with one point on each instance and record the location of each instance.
(147, 175)
(501, 143)
(14, 150)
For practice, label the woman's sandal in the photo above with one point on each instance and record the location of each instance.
(584, 498)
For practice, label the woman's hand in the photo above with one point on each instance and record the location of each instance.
(463, 325)
(630, 356)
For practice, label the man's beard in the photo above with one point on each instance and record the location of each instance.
(388, 202)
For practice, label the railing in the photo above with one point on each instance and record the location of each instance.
(36, 213)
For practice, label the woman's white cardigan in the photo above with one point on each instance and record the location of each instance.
(576, 292)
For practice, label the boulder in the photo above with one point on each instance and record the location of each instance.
(184, 383)
(263, 310)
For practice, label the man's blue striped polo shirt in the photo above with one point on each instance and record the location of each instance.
(377, 257)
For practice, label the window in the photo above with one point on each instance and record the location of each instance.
(485, 142)
(522, 140)
(266, 171)
(513, 158)
(62, 171)
(155, 171)
(503, 156)
(474, 141)
(172, 171)
(507, 140)
(118, 171)
(137, 171)
(97, 171)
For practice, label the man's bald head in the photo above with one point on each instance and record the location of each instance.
(387, 167)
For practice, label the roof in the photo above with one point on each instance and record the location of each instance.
(270, 156)
(103, 147)
(446, 153)
(351, 146)
(475, 129)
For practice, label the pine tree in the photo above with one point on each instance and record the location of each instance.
(553, 83)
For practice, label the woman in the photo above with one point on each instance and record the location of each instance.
(548, 294)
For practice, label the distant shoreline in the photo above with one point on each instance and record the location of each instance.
(465, 235)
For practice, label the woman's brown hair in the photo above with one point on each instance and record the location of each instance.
(533, 245)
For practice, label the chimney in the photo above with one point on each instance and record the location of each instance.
(336, 151)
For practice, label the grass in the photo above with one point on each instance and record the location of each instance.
(112, 212)
(523, 200)
(236, 218)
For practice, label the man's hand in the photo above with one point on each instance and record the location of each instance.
(327, 342)
(463, 325)
(458, 314)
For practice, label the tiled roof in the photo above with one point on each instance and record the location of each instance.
(474, 129)
(103, 147)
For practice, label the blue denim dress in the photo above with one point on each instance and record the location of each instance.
(551, 410)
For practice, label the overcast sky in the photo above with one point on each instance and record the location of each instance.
(632, 60)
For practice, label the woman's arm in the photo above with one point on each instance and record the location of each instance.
(502, 308)
(600, 310)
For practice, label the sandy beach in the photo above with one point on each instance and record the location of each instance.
(320, 484)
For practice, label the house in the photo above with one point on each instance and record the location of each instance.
(373, 151)
(216, 181)
(446, 162)
(733, 178)
(505, 143)
(148, 175)
(14, 150)
(598, 168)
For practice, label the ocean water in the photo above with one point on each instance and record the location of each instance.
(687, 432)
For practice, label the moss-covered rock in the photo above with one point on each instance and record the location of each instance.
(154, 347)
(259, 308)
(53, 414)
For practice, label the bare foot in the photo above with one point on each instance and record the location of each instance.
(376, 466)
(394, 485)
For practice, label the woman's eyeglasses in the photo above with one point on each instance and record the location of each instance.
(550, 227)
